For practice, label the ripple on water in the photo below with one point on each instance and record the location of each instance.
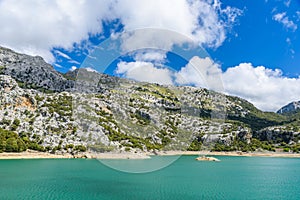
(232, 178)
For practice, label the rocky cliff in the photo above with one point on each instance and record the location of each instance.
(42, 109)
(32, 72)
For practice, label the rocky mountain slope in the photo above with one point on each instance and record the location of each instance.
(290, 108)
(33, 71)
(44, 110)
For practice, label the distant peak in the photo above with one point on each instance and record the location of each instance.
(291, 107)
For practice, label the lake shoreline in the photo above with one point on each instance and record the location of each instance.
(124, 155)
(233, 153)
(88, 155)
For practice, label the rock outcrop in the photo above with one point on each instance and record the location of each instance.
(85, 109)
(32, 71)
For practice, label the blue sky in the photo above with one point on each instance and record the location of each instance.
(261, 40)
(253, 46)
(256, 38)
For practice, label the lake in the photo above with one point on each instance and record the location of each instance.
(185, 178)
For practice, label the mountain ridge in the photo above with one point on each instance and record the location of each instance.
(103, 113)
(290, 108)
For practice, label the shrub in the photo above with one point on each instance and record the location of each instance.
(80, 148)
(11, 145)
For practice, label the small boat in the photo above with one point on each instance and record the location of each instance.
(206, 158)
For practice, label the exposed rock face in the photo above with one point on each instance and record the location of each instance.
(108, 113)
(44, 118)
(291, 107)
(207, 158)
(33, 71)
(278, 135)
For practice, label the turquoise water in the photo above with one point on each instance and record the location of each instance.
(232, 178)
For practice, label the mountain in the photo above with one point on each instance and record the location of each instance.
(290, 108)
(84, 110)
(31, 71)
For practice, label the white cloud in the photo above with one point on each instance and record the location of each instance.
(57, 65)
(89, 69)
(201, 72)
(74, 62)
(62, 54)
(145, 71)
(266, 88)
(200, 22)
(150, 55)
(36, 27)
(285, 21)
(73, 68)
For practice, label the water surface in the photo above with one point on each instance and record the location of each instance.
(232, 178)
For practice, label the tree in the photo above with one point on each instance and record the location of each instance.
(11, 145)
(21, 145)
(2, 144)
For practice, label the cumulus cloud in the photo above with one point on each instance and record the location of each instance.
(285, 21)
(174, 22)
(266, 88)
(201, 72)
(36, 27)
(145, 71)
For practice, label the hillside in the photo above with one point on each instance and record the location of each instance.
(290, 108)
(44, 110)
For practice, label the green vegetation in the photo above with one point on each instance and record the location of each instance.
(80, 148)
(38, 98)
(158, 92)
(6, 122)
(69, 77)
(238, 145)
(256, 119)
(142, 117)
(15, 124)
(196, 144)
(114, 134)
(169, 122)
(12, 142)
(2, 68)
(101, 148)
(61, 104)
(33, 86)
